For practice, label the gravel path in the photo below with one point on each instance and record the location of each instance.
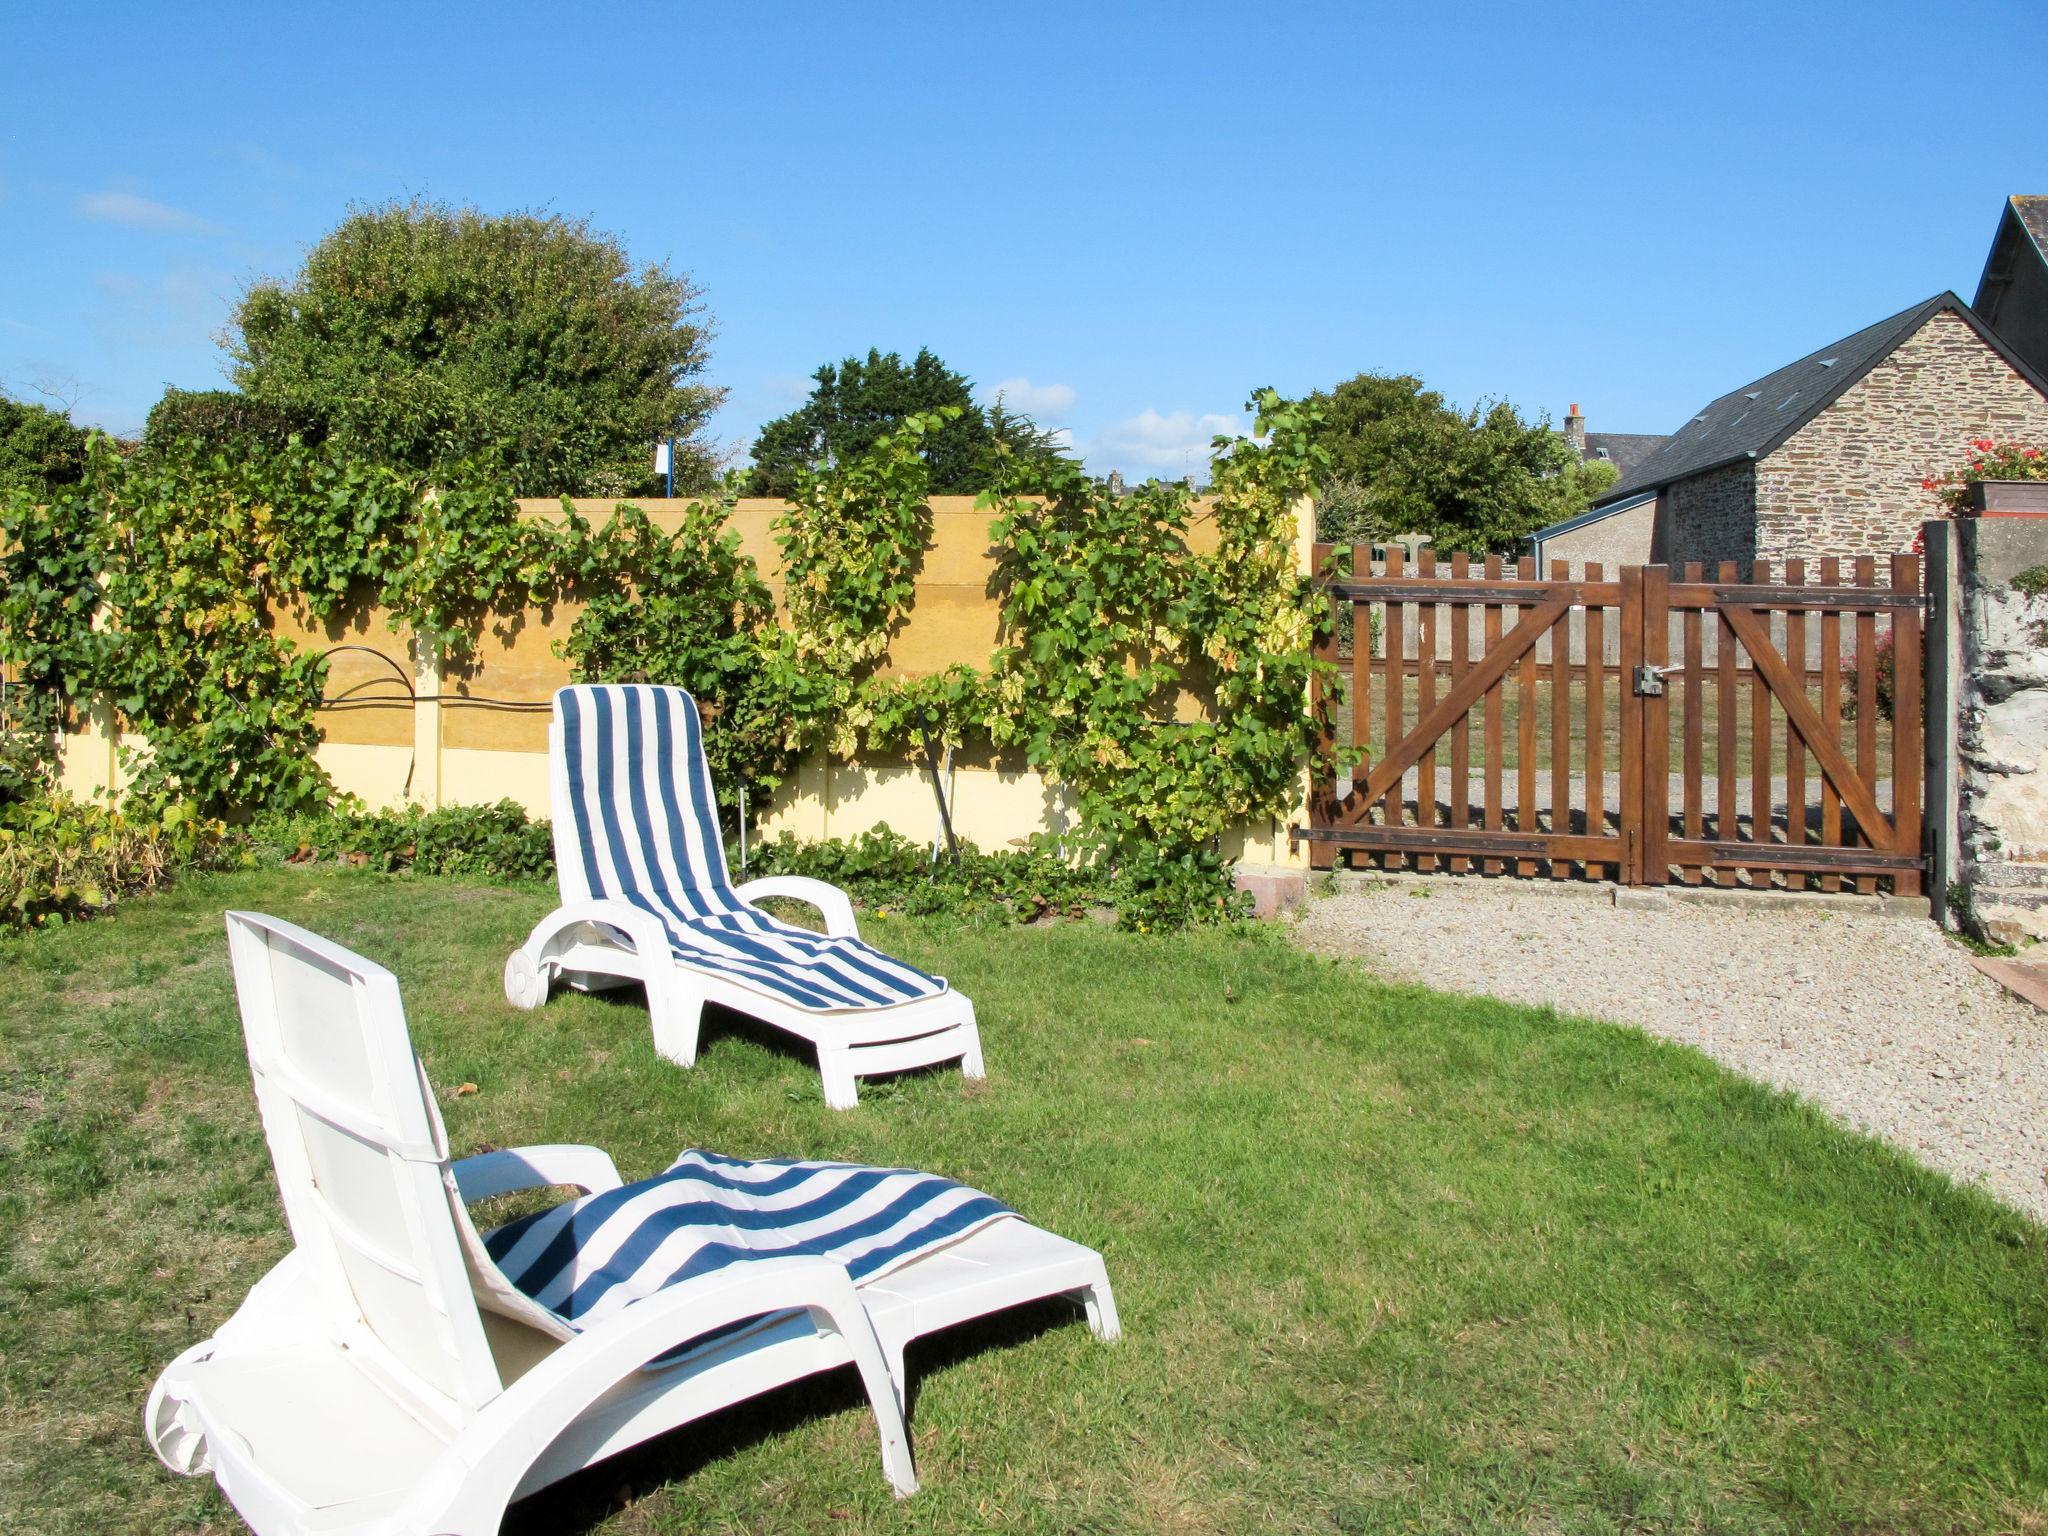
(1879, 1020)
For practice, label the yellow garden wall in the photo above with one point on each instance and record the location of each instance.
(381, 746)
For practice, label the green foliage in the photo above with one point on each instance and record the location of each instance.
(1111, 623)
(63, 859)
(1113, 626)
(41, 451)
(49, 591)
(684, 608)
(418, 334)
(856, 403)
(1403, 460)
(485, 842)
(888, 873)
(221, 420)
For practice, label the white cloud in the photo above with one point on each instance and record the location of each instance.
(1168, 446)
(1035, 400)
(141, 213)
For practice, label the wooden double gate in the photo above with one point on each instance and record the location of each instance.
(1639, 728)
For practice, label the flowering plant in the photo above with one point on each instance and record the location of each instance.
(1988, 461)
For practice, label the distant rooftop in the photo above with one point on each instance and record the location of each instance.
(1752, 421)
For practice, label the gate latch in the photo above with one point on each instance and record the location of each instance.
(1649, 682)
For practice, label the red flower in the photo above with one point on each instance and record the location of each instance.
(1982, 444)
(2030, 453)
(1926, 485)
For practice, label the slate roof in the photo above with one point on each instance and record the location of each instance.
(2033, 213)
(2022, 224)
(1752, 421)
(1624, 450)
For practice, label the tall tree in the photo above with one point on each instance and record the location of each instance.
(41, 451)
(417, 333)
(852, 403)
(1404, 460)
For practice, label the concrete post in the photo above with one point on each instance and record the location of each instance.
(1943, 656)
(425, 787)
(2002, 732)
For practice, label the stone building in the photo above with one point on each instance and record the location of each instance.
(1826, 455)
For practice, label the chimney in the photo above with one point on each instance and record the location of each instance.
(1575, 432)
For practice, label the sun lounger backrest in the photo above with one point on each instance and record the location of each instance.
(360, 1161)
(632, 797)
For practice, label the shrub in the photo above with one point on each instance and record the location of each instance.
(63, 859)
(215, 420)
(491, 842)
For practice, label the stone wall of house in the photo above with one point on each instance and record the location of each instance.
(1849, 482)
(1710, 517)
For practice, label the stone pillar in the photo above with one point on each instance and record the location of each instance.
(2002, 717)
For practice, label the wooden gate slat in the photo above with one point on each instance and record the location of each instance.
(1495, 748)
(1830, 713)
(1727, 815)
(1596, 721)
(1396, 658)
(1361, 665)
(1866, 707)
(1795, 752)
(1425, 700)
(1560, 725)
(1525, 739)
(1761, 747)
(1460, 616)
(1908, 706)
(1631, 638)
(1656, 868)
(1694, 769)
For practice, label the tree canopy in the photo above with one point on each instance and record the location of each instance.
(1404, 460)
(41, 450)
(854, 403)
(417, 334)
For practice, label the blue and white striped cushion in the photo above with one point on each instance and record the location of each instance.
(636, 793)
(585, 1260)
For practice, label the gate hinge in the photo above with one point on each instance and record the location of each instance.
(1649, 681)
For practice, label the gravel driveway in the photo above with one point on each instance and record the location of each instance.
(1880, 1020)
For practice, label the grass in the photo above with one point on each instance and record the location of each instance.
(1388, 1260)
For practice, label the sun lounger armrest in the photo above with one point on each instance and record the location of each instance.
(830, 901)
(642, 928)
(518, 1425)
(589, 1169)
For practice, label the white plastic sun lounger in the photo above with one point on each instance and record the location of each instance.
(386, 1379)
(646, 897)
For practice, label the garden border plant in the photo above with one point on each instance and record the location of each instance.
(1169, 690)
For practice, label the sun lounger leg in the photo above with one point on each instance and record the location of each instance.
(1100, 1303)
(835, 1067)
(677, 1010)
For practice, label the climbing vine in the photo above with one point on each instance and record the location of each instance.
(1161, 682)
(1167, 688)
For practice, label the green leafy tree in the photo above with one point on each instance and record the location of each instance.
(41, 451)
(215, 420)
(1404, 460)
(418, 334)
(855, 403)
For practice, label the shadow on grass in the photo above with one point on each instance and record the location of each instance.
(590, 1497)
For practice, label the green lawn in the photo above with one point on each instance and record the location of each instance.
(1387, 1260)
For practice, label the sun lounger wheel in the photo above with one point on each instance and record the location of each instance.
(525, 986)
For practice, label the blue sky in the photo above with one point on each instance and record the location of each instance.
(1126, 216)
